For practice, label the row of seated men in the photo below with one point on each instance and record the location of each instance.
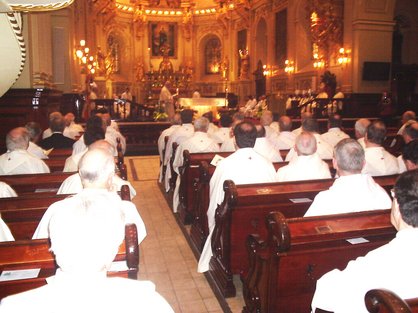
(353, 190)
(85, 230)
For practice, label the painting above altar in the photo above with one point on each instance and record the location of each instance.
(163, 39)
(203, 105)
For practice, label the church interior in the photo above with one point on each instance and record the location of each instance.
(352, 57)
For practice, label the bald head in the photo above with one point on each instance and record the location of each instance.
(407, 116)
(360, 127)
(104, 145)
(69, 118)
(305, 144)
(97, 168)
(266, 118)
(17, 138)
(285, 123)
(349, 157)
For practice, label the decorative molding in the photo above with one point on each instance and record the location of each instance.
(29, 7)
(21, 42)
(376, 6)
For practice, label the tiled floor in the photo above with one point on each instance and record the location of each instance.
(166, 258)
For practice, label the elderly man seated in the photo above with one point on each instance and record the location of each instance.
(307, 165)
(73, 183)
(334, 133)
(379, 162)
(392, 266)
(199, 142)
(408, 117)
(360, 128)
(85, 234)
(97, 174)
(17, 160)
(286, 138)
(57, 140)
(410, 133)
(34, 131)
(73, 130)
(264, 147)
(244, 166)
(351, 191)
(410, 155)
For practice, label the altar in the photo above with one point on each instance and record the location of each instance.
(203, 105)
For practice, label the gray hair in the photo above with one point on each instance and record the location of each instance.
(305, 144)
(34, 130)
(201, 124)
(57, 124)
(17, 138)
(285, 123)
(266, 118)
(99, 225)
(349, 155)
(96, 167)
(361, 126)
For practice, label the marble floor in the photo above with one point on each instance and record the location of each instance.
(166, 258)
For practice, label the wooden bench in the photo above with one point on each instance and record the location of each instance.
(386, 301)
(23, 214)
(285, 267)
(60, 153)
(243, 211)
(55, 164)
(35, 254)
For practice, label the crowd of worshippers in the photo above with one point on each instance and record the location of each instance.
(86, 228)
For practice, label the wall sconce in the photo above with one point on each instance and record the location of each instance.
(266, 70)
(318, 62)
(343, 56)
(87, 62)
(289, 66)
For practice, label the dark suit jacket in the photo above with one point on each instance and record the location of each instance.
(57, 141)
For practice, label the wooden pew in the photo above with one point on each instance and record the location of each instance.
(60, 153)
(284, 268)
(23, 214)
(33, 254)
(28, 183)
(55, 164)
(386, 301)
(243, 211)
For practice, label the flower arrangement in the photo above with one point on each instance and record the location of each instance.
(159, 113)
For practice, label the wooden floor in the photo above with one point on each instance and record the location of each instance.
(166, 258)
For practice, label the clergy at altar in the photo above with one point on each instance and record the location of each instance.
(264, 147)
(34, 131)
(352, 191)
(85, 236)
(334, 133)
(166, 99)
(286, 139)
(73, 184)
(360, 129)
(392, 266)
(176, 123)
(182, 133)
(244, 166)
(379, 162)
(199, 142)
(94, 131)
(57, 140)
(17, 160)
(97, 175)
(307, 165)
(223, 132)
(323, 148)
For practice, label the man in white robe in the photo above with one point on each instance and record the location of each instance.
(410, 156)
(265, 120)
(408, 118)
(161, 141)
(85, 236)
(111, 134)
(392, 266)
(245, 166)
(34, 130)
(323, 148)
(6, 191)
(223, 132)
(97, 175)
(304, 116)
(286, 138)
(5, 233)
(334, 133)
(379, 162)
(264, 147)
(307, 165)
(181, 134)
(360, 129)
(249, 106)
(73, 129)
(351, 191)
(125, 109)
(212, 128)
(17, 160)
(198, 143)
(166, 99)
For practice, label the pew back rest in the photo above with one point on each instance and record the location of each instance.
(386, 301)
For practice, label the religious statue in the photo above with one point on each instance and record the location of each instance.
(187, 24)
(100, 57)
(139, 71)
(166, 67)
(109, 65)
(245, 64)
(224, 67)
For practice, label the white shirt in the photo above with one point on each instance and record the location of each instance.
(265, 148)
(228, 145)
(324, 149)
(221, 134)
(244, 166)
(392, 266)
(199, 142)
(6, 191)
(73, 292)
(304, 167)
(165, 94)
(161, 145)
(72, 184)
(333, 136)
(379, 162)
(285, 141)
(73, 130)
(79, 146)
(37, 151)
(48, 133)
(127, 208)
(401, 164)
(351, 193)
(111, 136)
(71, 163)
(21, 162)
(179, 135)
(5, 233)
(297, 131)
(361, 142)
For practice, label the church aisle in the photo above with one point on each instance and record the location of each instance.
(166, 258)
